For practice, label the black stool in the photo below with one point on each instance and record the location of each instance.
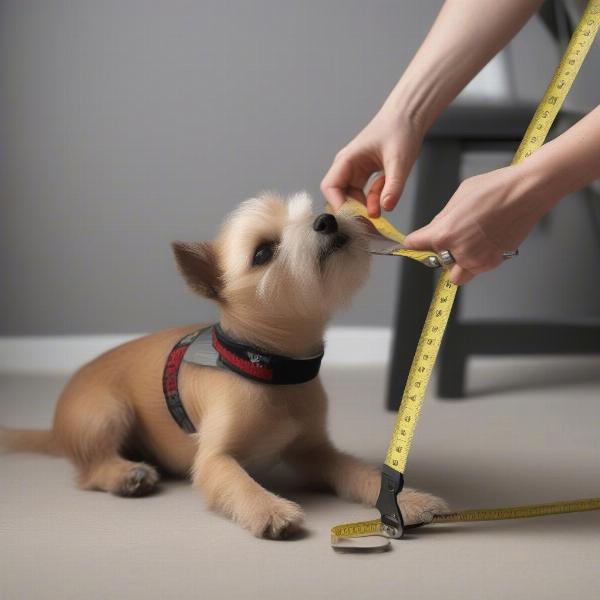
(462, 129)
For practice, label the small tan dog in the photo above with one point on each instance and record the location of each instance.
(277, 273)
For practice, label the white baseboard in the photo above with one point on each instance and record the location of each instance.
(346, 347)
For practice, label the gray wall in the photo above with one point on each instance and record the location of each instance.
(125, 125)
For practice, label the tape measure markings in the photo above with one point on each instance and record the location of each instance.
(443, 299)
(420, 372)
(519, 512)
(561, 82)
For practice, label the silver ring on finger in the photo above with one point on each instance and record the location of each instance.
(446, 258)
(510, 254)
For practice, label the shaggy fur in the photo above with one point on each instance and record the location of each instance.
(113, 408)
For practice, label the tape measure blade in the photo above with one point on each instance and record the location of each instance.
(443, 299)
(420, 372)
(363, 536)
(519, 512)
(561, 82)
(380, 224)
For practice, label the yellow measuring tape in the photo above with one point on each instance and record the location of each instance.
(391, 525)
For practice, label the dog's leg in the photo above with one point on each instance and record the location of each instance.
(227, 487)
(93, 427)
(353, 479)
(118, 476)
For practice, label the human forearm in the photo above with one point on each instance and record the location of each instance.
(494, 212)
(464, 37)
(466, 34)
(566, 164)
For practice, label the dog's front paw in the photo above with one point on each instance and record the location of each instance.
(276, 519)
(140, 480)
(417, 506)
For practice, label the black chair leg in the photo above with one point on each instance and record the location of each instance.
(438, 174)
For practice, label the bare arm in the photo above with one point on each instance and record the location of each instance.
(569, 162)
(494, 212)
(464, 37)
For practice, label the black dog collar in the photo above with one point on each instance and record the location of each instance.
(258, 365)
(212, 347)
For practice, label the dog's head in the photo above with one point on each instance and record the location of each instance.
(279, 259)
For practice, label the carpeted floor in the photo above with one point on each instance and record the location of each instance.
(529, 432)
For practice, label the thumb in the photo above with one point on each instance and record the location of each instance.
(421, 239)
(460, 276)
(394, 184)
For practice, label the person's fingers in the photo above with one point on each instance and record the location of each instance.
(335, 197)
(336, 180)
(373, 195)
(357, 194)
(460, 276)
(354, 193)
(428, 239)
(421, 239)
(394, 183)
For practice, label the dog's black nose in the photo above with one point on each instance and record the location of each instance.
(325, 224)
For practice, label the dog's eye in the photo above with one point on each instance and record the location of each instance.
(263, 254)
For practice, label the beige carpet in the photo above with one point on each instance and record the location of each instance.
(529, 432)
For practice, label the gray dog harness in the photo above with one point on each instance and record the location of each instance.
(212, 347)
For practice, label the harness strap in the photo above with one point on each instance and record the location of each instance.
(212, 347)
(170, 382)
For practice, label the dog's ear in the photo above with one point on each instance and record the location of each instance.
(197, 263)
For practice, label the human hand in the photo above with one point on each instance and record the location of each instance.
(389, 143)
(487, 215)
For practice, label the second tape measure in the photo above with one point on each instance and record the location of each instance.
(390, 525)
